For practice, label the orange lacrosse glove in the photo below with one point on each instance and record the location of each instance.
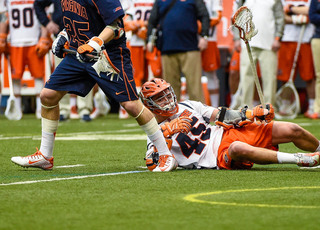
(94, 44)
(177, 125)
(3, 43)
(43, 46)
(263, 114)
(142, 33)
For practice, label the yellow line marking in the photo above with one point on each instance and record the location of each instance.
(194, 198)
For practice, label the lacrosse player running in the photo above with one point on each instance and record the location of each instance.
(235, 142)
(90, 27)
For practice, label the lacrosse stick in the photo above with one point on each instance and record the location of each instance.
(102, 63)
(287, 98)
(13, 110)
(242, 20)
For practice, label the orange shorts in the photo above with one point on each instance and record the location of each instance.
(211, 57)
(252, 134)
(20, 57)
(304, 63)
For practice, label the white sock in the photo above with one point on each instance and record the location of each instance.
(285, 158)
(311, 103)
(152, 129)
(318, 149)
(213, 86)
(73, 101)
(49, 128)
(38, 103)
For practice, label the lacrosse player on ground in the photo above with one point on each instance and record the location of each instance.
(239, 139)
(92, 28)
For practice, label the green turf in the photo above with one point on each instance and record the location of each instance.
(144, 200)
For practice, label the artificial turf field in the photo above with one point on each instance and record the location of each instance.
(109, 187)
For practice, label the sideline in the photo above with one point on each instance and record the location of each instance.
(72, 178)
(194, 198)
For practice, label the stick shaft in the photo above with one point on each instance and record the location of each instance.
(256, 79)
(74, 52)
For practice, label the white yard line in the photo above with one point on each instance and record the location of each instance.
(71, 178)
(69, 166)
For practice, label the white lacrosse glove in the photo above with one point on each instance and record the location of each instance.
(299, 19)
(62, 41)
(94, 47)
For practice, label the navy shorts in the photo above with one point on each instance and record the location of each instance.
(79, 78)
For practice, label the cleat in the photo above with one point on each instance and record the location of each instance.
(74, 113)
(86, 118)
(166, 163)
(36, 160)
(123, 114)
(62, 117)
(102, 111)
(308, 159)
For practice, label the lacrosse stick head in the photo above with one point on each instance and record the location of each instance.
(287, 104)
(242, 20)
(13, 112)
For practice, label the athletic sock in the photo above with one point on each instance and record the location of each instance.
(49, 128)
(285, 158)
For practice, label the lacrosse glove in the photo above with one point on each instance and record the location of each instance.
(228, 118)
(94, 47)
(177, 125)
(152, 159)
(62, 41)
(300, 19)
(3, 43)
(263, 114)
(43, 46)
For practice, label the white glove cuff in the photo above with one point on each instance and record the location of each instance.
(94, 44)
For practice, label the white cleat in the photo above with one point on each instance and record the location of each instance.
(36, 160)
(166, 163)
(308, 159)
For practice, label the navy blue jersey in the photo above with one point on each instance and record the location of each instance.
(84, 19)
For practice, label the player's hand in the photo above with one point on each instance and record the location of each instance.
(228, 118)
(263, 114)
(300, 19)
(94, 47)
(288, 9)
(142, 33)
(43, 46)
(177, 125)
(62, 41)
(3, 43)
(152, 159)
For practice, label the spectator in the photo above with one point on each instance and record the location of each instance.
(296, 15)
(314, 16)
(268, 18)
(180, 44)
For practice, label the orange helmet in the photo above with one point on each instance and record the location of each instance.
(158, 96)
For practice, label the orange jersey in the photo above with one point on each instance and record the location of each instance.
(252, 134)
(304, 62)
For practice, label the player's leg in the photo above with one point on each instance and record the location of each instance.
(85, 106)
(43, 158)
(148, 123)
(315, 45)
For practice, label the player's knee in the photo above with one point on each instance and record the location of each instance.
(238, 150)
(49, 97)
(132, 107)
(295, 130)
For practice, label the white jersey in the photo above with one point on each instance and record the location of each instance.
(292, 31)
(139, 10)
(24, 26)
(213, 6)
(264, 21)
(3, 7)
(198, 148)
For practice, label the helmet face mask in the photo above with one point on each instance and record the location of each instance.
(159, 97)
